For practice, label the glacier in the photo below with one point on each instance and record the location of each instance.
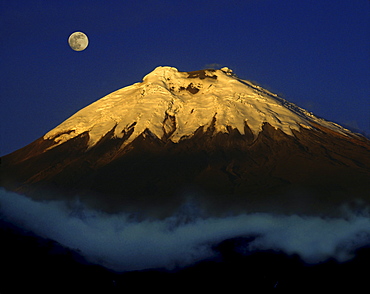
(176, 104)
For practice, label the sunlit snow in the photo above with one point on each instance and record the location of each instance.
(193, 102)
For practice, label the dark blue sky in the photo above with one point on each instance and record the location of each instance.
(314, 53)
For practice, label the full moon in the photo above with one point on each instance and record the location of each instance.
(78, 41)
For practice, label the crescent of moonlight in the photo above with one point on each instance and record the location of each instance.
(78, 41)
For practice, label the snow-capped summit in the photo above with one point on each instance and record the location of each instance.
(174, 104)
(234, 145)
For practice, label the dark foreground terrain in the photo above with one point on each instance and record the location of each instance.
(30, 263)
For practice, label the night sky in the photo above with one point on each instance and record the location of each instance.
(313, 53)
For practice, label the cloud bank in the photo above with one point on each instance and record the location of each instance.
(121, 243)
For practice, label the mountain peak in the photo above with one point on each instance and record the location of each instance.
(241, 147)
(174, 104)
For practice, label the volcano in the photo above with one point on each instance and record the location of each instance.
(201, 172)
(205, 136)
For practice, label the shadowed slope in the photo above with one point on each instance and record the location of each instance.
(314, 171)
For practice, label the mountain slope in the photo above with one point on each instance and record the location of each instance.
(207, 137)
(173, 105)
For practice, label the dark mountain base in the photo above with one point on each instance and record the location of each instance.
(313, 172)
(35, 264)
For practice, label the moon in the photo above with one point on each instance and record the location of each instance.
(78, 41)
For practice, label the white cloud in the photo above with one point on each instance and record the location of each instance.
(120, 243)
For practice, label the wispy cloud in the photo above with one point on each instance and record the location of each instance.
(122, 244)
